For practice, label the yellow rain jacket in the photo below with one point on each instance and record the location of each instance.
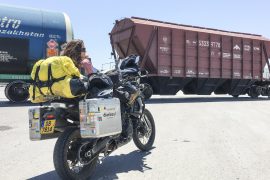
(51, 77)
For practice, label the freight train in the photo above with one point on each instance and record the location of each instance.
(195, 60)
(27, 35)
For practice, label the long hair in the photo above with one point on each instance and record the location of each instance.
(73, 50)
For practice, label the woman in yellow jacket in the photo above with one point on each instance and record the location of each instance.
(59, 76)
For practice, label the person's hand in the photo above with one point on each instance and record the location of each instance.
(91, 74)
(84, 78)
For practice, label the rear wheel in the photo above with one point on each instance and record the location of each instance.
(72, 158)
(17, 91)
(144, 133)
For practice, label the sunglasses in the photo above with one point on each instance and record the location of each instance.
(83, 50)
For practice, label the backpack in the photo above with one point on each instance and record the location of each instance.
(54, 77)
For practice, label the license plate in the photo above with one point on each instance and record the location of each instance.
(47, 127)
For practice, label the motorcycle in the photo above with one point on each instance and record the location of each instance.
(91, 127)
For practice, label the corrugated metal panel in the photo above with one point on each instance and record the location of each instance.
(195, 28)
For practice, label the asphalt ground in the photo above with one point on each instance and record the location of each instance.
(197, 138)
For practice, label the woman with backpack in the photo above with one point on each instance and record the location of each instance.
(59, 76)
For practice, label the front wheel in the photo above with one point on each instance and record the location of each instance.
(71, 156)
(144, 133)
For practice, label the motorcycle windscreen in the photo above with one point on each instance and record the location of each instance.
(14, 54)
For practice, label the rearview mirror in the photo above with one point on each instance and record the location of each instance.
(137, 60)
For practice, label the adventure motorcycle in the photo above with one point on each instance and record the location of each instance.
(91, 127)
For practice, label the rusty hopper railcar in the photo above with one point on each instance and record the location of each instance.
(193, 59)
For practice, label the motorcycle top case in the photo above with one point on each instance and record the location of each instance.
(100, 117)
(41, 128)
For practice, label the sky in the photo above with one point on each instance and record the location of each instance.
(93, 20)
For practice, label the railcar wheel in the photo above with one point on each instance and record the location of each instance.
(17, 91)
(147, 91)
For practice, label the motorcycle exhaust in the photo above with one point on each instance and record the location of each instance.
(100, 146)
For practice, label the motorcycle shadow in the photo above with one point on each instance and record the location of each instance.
(111, 166)
(52, 175)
